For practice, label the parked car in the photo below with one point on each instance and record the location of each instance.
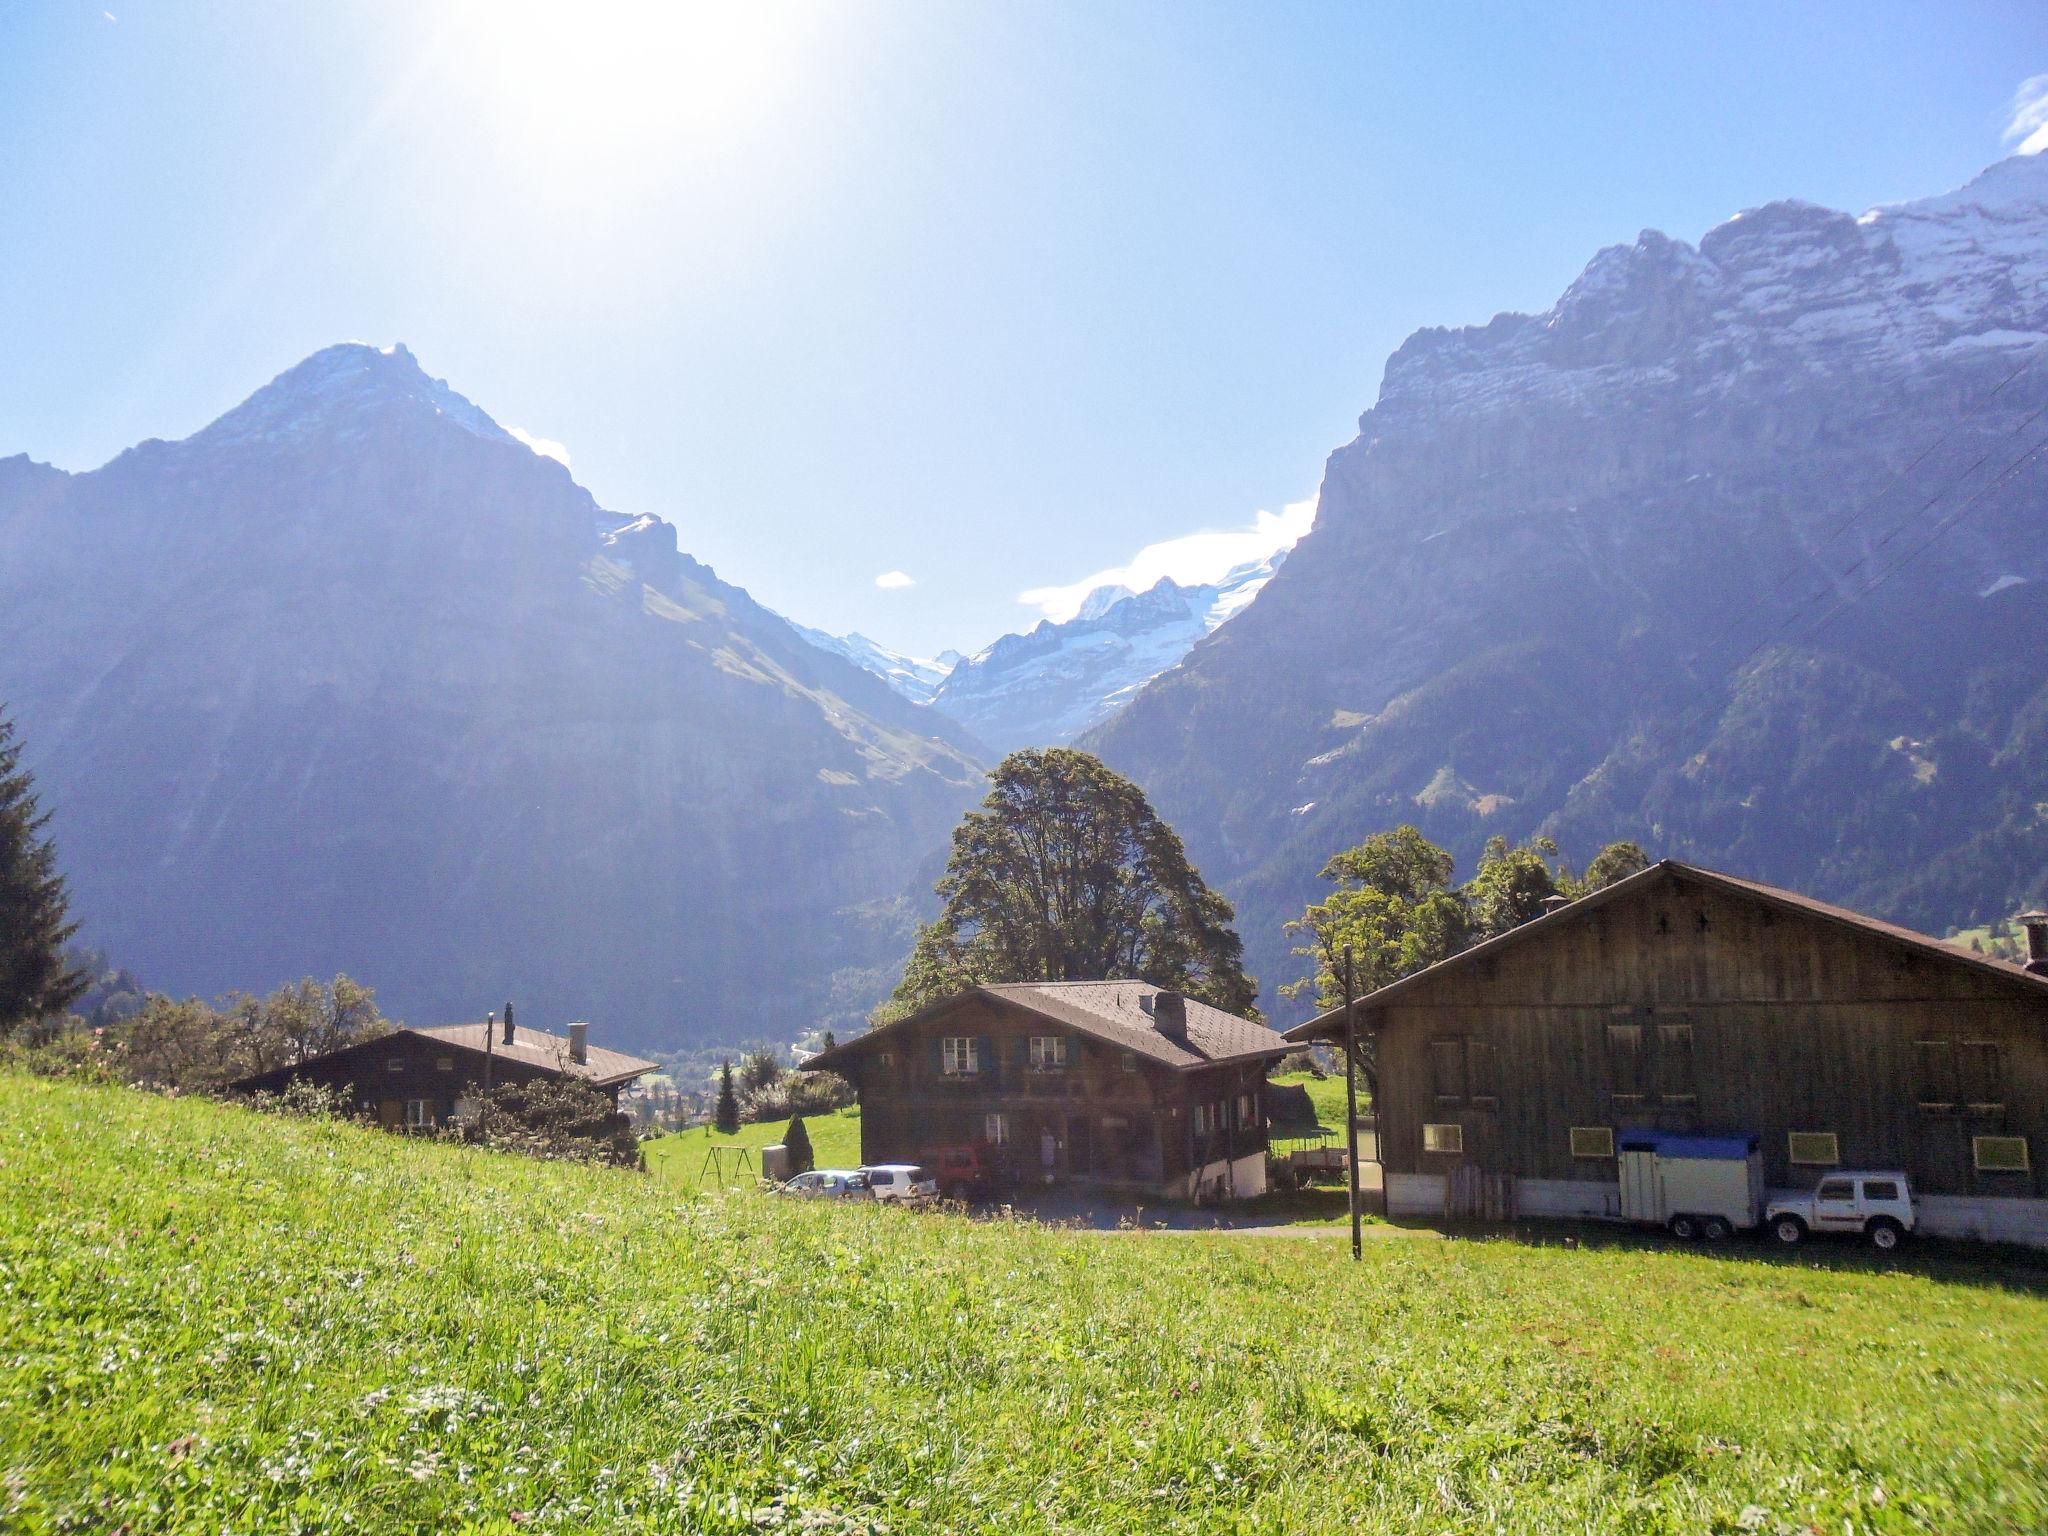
(830, 1184)
(962, 1172)
(906, 1182)
(1878, 1206)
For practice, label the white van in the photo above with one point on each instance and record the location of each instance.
(901, 1181)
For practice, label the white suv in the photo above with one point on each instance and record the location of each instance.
(901, 1181)
(1878, 1206)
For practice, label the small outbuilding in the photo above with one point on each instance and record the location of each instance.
(1682, 1000)
(1118, 1084)
(419, 1079)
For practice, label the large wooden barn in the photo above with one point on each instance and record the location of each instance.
(419, 1079)
(1113, 1083)
(1683, 999)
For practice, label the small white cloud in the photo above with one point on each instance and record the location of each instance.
(546, 447)
(1190, 560)
(889, 581)
(2028, 130)
(108, 14)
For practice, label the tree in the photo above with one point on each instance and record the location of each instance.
(761, 1070)
(198, 1045)
(37, 979)
(1067, 874)
(1511, 885)
(798, 1142)
(726, 1118)
(1615, 862)
(1393, 908)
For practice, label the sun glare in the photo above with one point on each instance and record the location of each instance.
(572, 81)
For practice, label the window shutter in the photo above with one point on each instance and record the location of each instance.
(1482, 1061)
(985, 1058)
(1977, 1064)
(1447, 1068)
(1625, 1060)
(938, 1054)
(1937, 1060)
(1674, 1066)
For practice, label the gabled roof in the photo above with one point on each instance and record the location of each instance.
(529, 1047)
(536, 1048)
(1119, 1013)
(1326, 1025)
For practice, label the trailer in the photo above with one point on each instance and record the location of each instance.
(1692, 1184)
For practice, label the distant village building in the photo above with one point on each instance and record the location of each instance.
(1111, 1083)
(420, 1079)
(1684, 1000)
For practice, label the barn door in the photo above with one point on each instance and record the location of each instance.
(1642, 1194)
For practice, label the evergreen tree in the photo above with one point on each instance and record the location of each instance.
(36, 978)
(798, 1141)
(1067, 874)
(726, 1118)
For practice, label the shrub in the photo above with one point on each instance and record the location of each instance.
(556, 1119)
(798, 1142)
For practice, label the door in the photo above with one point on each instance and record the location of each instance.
(1835, 1207)
(391, 1113)
(1642, 1187)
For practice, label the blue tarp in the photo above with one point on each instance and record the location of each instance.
(1689, 1143)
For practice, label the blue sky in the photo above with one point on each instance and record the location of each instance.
(991, 297)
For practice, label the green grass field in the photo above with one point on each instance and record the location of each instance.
(680, 1159)
(215, 1321)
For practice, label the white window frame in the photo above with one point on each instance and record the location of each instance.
(1585, 1146)
(1446, 1139)
(419, 1115)
(2025, 1164)
(995, 1128)
(1048, 1053)
(1246, 1110)
(1833, 1160)
(960, 1056)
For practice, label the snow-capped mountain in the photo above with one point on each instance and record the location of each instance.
(916, 678)
(354, 680)
(1738, 550)
(1047, 686)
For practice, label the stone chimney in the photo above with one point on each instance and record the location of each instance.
(579, 1043)
(2036, 924)
(508, 1025)
(1170, 1013)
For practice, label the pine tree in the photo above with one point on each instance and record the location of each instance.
(36, 980)
(726, 1118)
(798, 1142)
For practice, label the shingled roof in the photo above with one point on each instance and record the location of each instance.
(1327, 1025)
(1119, 1013)
(536, 1048)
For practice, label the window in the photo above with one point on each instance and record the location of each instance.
(960, 1056)
(419, 1114)
(1937, 1072)
(1880, 1189)
(1999, 1154)
(1592, 1141)
(995, 1129)
(1447, 1070)
(1814, 1148)
(1625, 1062)
(1129, 1061)
(1482, 1071)
(1245, 1110)
(1977, 1072)
(1443, 1138)
(444, 1063)
(1048, 1053)
(1837, 1191)
(885, 1059)
(394, 1064)
(1674, 1063)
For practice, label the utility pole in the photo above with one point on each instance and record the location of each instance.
(1351, 1107)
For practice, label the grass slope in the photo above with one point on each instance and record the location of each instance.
(679, 1159)
(215, 1321)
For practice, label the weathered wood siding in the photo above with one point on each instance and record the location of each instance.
(379, 1076)
(1109, 1114)
(1744, 1018)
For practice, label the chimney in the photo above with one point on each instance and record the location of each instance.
(1170, 1013)
(1555, 904)
(2036, 924)
(579, 1043)
(508, 1024)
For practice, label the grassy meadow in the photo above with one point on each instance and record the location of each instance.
(216, 1321)
(679, 1159)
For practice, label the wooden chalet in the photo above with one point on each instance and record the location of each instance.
(1113, 1083)
(419, 1079)
(1683, 999)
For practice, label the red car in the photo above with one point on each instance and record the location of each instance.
(963, 1173)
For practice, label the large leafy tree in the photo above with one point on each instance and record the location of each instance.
(37, 980)
(1512, 883)
(1617, 861)
(1067, 874)
(1394, 910)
